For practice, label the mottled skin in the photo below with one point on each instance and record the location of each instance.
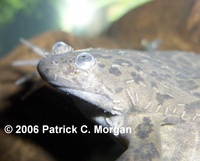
(157, 94)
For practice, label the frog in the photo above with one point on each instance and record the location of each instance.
(155, 94)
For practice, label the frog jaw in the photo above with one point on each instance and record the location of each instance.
(92, 106)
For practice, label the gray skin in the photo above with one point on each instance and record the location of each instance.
(156, 94)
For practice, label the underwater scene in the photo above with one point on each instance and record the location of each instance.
(99, 80)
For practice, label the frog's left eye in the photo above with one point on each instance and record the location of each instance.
(84, 60)
(60, 48)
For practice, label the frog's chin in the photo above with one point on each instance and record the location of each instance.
(94, 106)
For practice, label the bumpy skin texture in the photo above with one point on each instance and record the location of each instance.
(157, 94)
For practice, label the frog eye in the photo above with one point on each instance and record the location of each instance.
(60, 48)
(84, 60)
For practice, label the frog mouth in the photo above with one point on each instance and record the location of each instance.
(101, 101)
(90, 104)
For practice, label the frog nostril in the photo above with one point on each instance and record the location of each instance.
(54, 62)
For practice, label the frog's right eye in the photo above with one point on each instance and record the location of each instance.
(84, 61)
(61, 48)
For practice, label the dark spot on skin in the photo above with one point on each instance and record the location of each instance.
(154, 84)
(154, 74)
(181, 75)
(146, 151)
(122, 61)
(75, 79)
(187, 85)
(70, 69)
(162, 97)
(106, 56)
(160, 76)
(183, 61)
(145, 128)
(101, 65)
(138, 68)
(62, 59)
(115, 71)
(168, 121)
(137, 78)
(192, 107)
(167, 76)
(118, 90)
(97, 55)
(65, 73)
(197, 94)
(46, 70)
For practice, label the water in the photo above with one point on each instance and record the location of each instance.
(29, 18)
